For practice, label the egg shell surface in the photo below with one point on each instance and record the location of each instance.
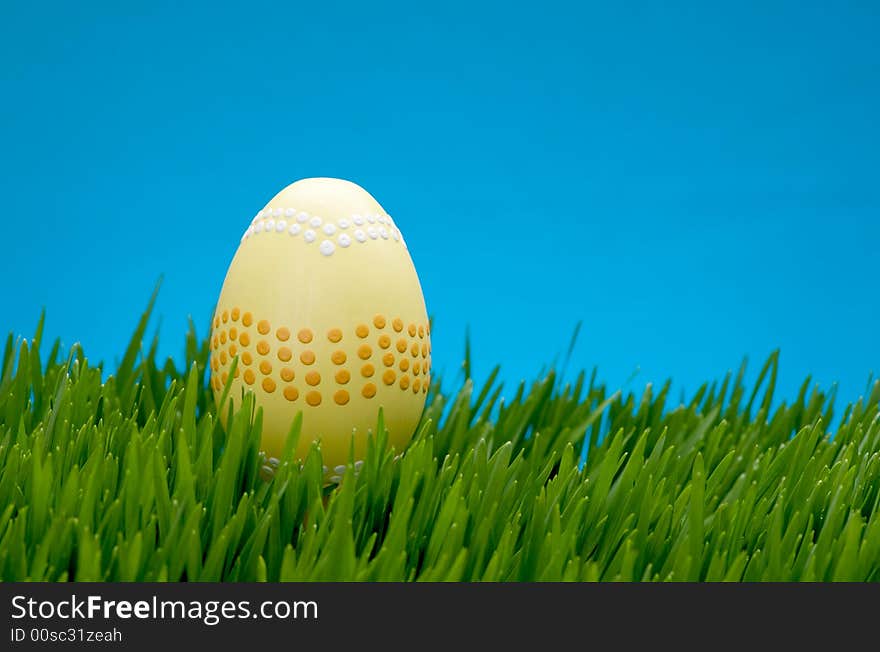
(323, 308)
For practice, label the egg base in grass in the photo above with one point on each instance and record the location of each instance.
(323, 308)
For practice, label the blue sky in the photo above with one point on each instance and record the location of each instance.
(695, 182)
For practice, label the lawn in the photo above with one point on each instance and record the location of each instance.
(126, 475)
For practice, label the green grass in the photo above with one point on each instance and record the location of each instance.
(132, 478)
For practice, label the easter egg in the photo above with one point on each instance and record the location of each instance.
(323, 309)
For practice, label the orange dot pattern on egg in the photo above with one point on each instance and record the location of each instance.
(222, 357)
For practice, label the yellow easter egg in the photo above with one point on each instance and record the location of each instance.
(323, 308)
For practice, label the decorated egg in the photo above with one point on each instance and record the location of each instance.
(323, 308)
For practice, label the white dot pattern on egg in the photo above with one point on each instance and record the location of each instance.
(323, 309)
(262, 223)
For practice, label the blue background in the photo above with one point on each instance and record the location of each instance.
(695, 182)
